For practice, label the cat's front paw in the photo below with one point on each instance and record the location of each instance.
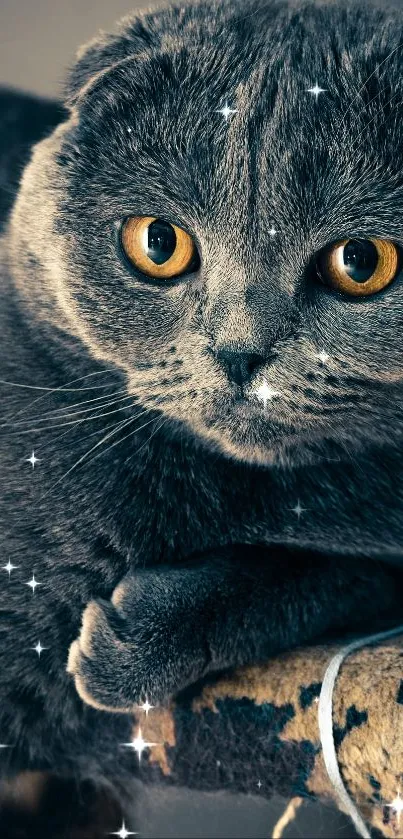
(132, 648)
(102, 664)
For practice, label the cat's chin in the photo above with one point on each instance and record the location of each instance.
(288, 453)
(262, 443)
(253, 436)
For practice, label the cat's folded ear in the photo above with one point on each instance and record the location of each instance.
(136, 35)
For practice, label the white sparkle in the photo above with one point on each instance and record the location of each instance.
(33, 583)
(298, 509)
(218, 763)
(397, 806)
(5, 746)
(146, 707)
(138, 744)
(9, 568)
(316, 91)
(323, 356)
(39, 649)
(316, 699)
(129, 130)
(123, 833)
(33, 460)
(226, 111)
(259, 784)
(265, 393)
(272, 232)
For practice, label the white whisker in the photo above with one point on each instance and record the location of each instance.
(117, 428)
(82, 439)
(70, 423)
(85, 402)
(135, 431)
(355, 144)
(99, 430)
(363, 86)
(46, 418)
(61, 388)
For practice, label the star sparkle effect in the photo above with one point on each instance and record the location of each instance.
(323, 356)
(123, 833)
(226, 111)
(138, 744)
(316, 91)
(298, 510)
(33, 460)
(33, 583)
(146, 707)
(272, 232)
(39, 649)
(259, 784)
(9, 568)
(397, 806)
(265, 393)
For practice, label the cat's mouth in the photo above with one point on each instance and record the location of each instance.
(249, 428)
(260, 407)
(263, 431)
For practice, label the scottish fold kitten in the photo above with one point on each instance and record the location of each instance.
(201, 366)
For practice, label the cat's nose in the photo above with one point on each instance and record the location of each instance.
(239, 365)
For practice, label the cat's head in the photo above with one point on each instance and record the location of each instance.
(242, 267)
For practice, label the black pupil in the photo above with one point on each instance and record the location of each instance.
(161, 241)
(360, 258)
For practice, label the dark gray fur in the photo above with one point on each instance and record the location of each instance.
(188, 522)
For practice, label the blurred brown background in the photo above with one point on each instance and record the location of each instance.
(38, 41)
(39, 38)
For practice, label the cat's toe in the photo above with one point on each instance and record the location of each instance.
(133, 648)
(101, 663)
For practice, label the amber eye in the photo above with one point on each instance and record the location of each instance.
(158, 249)
(359, 267)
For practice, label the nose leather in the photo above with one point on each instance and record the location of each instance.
(239, 365)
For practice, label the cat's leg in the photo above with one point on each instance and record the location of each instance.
(169, 626)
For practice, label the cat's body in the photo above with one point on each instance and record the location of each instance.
(205, 495)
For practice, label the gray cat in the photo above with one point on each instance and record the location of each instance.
(201, 365)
